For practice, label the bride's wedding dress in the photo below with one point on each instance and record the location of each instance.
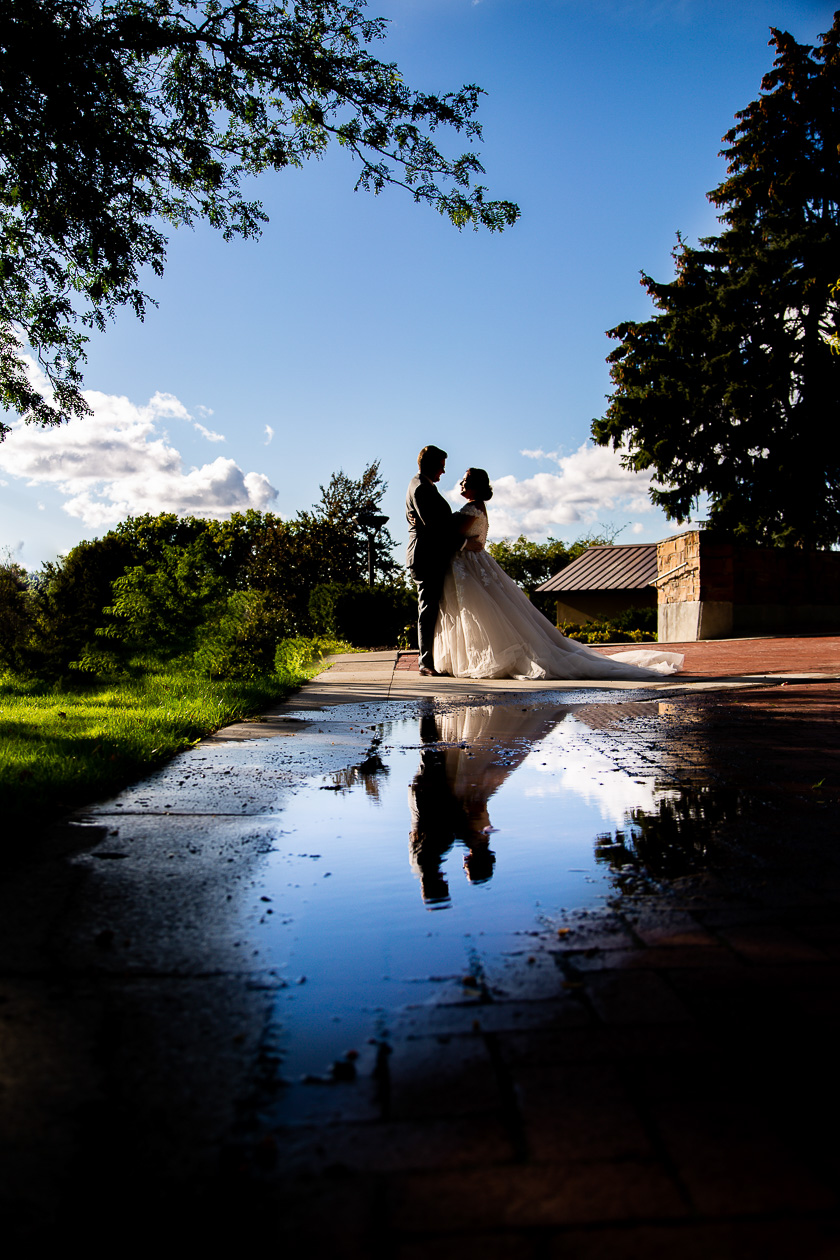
(488, 628)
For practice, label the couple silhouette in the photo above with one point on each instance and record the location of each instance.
(435, 535)
(473, 621)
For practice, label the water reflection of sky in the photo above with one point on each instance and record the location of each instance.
(466, 831)
(563, 765)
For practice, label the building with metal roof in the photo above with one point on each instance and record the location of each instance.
(705, 586)
(604, 581)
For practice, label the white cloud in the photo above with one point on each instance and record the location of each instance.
(539, 453)
(637, 528)
(679, 527)
(167, 405)
(269, 434)
(591, 482)
(119, 462)
(162, 405)
(209, 433)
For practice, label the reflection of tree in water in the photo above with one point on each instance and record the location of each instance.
(675, 840)
(465, 756)
(367, 772)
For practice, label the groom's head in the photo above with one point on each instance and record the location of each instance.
(432, 461)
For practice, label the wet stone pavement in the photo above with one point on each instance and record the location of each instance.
(632, 1053)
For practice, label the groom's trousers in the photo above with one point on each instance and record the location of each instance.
(429, 593)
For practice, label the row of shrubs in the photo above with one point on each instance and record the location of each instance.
(45, 633)
(384, 616)
(635, 625)
(367, 616)
(215, 599)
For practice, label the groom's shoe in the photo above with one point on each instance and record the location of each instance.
(426, 672)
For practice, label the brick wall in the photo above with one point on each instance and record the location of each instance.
(680, 557)
(706, 568)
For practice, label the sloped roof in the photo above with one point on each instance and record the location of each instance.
(623, 566)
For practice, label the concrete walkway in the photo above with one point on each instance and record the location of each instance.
(655, 1079)
(375, 677)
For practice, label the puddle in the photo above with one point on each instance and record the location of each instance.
(408, 877)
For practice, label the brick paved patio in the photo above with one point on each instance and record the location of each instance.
(719, 658)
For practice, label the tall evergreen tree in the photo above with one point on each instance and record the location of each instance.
(732, 391)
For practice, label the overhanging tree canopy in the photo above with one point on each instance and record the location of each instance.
(120, 117)
(733, 391)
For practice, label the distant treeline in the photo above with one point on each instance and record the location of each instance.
(217, 596)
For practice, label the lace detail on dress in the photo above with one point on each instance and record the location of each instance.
(477, 528)
(478, 525)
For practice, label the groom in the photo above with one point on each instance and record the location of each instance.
(432, 541)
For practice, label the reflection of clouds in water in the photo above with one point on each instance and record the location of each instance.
(576, 767)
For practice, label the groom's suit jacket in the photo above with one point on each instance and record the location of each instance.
(431, 537)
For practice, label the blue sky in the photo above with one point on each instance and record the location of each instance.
(362, 328)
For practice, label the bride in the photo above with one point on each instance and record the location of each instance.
(488, 628)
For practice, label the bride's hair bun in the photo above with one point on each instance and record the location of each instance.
(479, 483)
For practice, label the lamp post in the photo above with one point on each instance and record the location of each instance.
(370, 523)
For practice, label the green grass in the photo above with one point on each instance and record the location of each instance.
(60, 747)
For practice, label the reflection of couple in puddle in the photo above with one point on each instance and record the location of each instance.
(465, 756)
